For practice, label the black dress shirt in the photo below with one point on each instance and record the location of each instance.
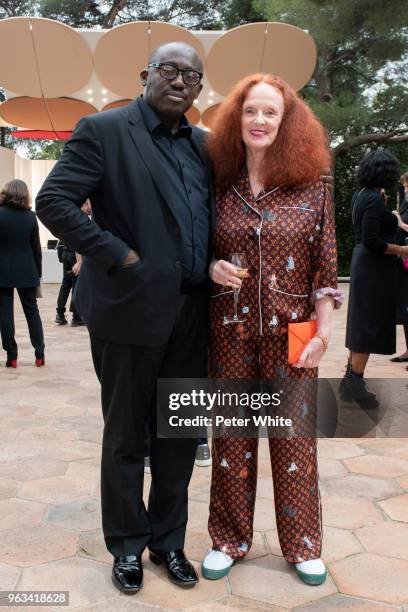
(374, 225)
(20, 248)
(188, 177)
(403, 210)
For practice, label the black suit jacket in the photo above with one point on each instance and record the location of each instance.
(112, 160)
(20, 248)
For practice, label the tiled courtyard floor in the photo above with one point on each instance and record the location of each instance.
(50, 537)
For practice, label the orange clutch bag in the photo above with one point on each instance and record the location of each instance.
(299, 335)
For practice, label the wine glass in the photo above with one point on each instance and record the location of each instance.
(239, 260)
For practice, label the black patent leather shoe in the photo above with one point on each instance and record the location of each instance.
(127, 573)
(179, 569)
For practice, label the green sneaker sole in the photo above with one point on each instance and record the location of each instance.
(215, 574)
(312, 579)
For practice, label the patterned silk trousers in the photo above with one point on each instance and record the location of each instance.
(293, 457)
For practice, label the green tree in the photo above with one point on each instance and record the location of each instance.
(45, 149)
(76, 13)
(359, 87)
(357, 43)
(194, 14)
(358, 90)
(239, 12)
(18, 8)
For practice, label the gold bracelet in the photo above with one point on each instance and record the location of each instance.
(324, 340)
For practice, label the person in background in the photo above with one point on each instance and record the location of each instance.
(20, 268)
(371, 317)
(402, 271)
(71, 262)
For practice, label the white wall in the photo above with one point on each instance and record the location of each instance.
(33, 172)
(40, 168)
(7, 165)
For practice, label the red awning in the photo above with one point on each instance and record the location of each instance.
(41, 134)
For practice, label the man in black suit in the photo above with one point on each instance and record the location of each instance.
(143, 294)
(71, 263)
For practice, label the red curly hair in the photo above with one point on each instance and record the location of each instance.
(299, 153)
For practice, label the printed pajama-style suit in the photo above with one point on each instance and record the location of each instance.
(288, 237)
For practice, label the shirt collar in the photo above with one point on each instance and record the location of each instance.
(243, 186)
(154, 123)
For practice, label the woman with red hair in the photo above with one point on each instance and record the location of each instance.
(275, 228)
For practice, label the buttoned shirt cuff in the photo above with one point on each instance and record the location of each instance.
(336, 294)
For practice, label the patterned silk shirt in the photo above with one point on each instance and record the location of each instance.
(288, 237)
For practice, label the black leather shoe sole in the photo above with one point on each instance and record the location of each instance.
(184, 585)
(123, 589)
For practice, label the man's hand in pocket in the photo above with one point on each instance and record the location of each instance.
(131, 258)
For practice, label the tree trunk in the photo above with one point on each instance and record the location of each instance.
(323, 84)
(110, 17)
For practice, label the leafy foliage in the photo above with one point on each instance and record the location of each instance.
(17, 8)
(76, 13)
(89, 13)
(239, 12)
(359, 88)
(356, 42)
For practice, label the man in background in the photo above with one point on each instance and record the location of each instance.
(71, 263)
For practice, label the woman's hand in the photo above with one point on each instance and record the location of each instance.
(76, 268)
(401, 224)
(384, 196)
(396, 213)
(312, 354)
(223, 273)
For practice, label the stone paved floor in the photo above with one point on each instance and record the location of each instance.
(50, 535)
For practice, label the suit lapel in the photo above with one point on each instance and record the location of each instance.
(198, 138)
(143, 142)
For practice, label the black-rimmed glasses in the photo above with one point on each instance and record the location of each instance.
(170, 72)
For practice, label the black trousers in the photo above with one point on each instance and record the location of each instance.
(147, 445)
(128, 375)
(68, 284)
(29, 303)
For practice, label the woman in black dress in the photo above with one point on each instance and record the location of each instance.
(20, 268)
(402, 272)
(371, 318)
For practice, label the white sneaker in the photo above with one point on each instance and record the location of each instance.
(312, 572)
(216, 565)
